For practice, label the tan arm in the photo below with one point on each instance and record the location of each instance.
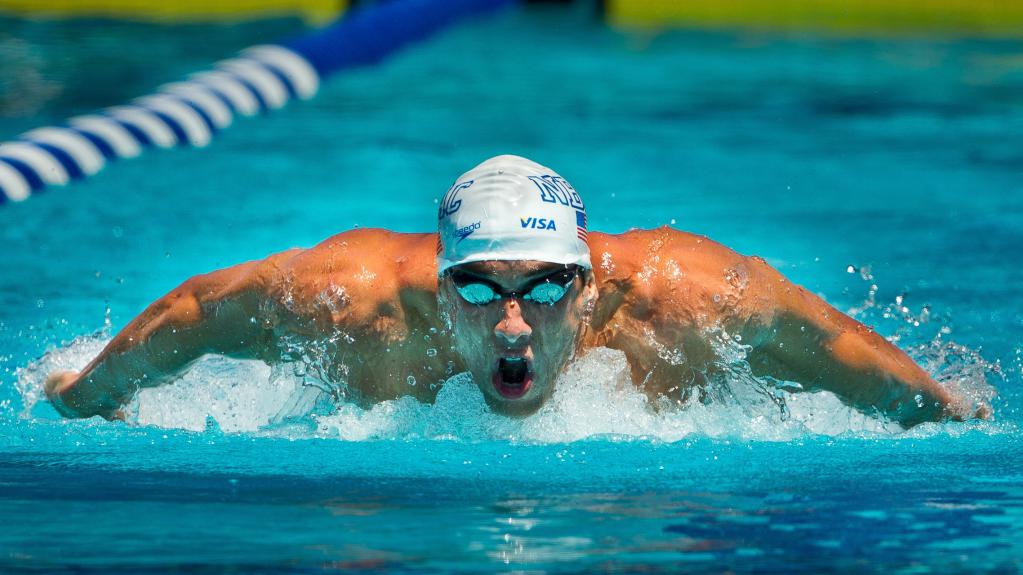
(211, 313)
(801, 338)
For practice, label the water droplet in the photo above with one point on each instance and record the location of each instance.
(850, 269)
(411, 381)
(672, 221)
(919, 400)
(432, 352)
(737, 337)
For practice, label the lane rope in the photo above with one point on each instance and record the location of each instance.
(189, 113)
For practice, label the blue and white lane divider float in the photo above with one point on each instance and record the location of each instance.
(260, 79)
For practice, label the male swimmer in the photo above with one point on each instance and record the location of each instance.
(508, 292)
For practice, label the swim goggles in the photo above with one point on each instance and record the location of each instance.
(548, 289)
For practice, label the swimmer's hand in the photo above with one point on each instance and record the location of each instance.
(798, 337)
(962, 409)
(984, 411)
(211, 313)
(58, 385)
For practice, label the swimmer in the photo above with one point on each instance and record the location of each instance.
(511, 290)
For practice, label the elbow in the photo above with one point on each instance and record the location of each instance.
(179, 309)
(184, 313)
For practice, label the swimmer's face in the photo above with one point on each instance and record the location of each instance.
(516, 346)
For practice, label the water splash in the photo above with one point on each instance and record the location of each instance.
(71, 357)
(594, 398)
(926, 337)
(305, 397)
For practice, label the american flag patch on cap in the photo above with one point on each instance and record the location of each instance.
(580, 225)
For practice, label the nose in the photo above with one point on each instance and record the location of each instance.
(512, 331)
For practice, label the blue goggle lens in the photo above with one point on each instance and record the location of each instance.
(477, 294)
(547, 291)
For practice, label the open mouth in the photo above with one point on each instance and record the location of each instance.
(513, 377)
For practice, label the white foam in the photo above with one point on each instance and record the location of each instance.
(593, 398)
(238, 396)
(71, 357)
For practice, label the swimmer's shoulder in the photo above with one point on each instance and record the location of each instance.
(638, 250)
(665, 268)
(405, 258)
(371, 266)
(374, 250)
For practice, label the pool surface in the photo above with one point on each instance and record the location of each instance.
(883, 174)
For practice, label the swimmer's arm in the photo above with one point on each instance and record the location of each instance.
(211, 313)
(800, 338)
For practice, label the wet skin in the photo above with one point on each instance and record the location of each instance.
(370, 305)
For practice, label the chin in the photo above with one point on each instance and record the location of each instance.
(522, 407)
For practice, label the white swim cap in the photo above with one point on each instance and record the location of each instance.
(511, 208)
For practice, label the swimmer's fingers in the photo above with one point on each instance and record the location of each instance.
(965, 411)
(983, 411)
(56, 384)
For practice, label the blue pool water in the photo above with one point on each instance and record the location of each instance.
(883, 174)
